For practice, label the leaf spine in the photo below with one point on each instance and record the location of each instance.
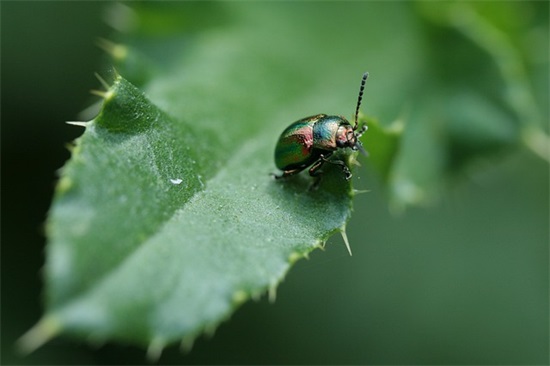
(345, 237)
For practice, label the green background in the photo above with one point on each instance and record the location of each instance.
(462, 281)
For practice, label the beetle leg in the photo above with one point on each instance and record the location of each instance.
(346, 171)
(316, 172)
(286, 173)
(342, 165)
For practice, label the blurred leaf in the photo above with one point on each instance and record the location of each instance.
(383, 144)
(476, 102)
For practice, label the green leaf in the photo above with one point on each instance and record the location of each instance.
(153, 240)
(383, 144)
(166, 219)
(475, 100)
(162, 226)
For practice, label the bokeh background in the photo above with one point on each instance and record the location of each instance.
(461, 281)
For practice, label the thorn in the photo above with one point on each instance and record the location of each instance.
(186, 344)
(102, 81)
(116, 73)
(117, 51)
(360, 191)
(239, 297)
(46, 329)
(210, 330)
(78, 123)
(106, 45)
(101, 93)
(345, 237)
(272, 293)
(154, 351)
(294, 256)
(64, 184)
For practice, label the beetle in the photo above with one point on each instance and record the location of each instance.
(312, 140)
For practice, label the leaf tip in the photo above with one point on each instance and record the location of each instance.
(45, 330)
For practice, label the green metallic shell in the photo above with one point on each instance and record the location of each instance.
(325, 131)
(302, 143)
(293, 150)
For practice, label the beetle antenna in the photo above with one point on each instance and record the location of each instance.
(361, 89)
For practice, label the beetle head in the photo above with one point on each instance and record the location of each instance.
(347, 136)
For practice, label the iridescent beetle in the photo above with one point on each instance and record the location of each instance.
(312, 140)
